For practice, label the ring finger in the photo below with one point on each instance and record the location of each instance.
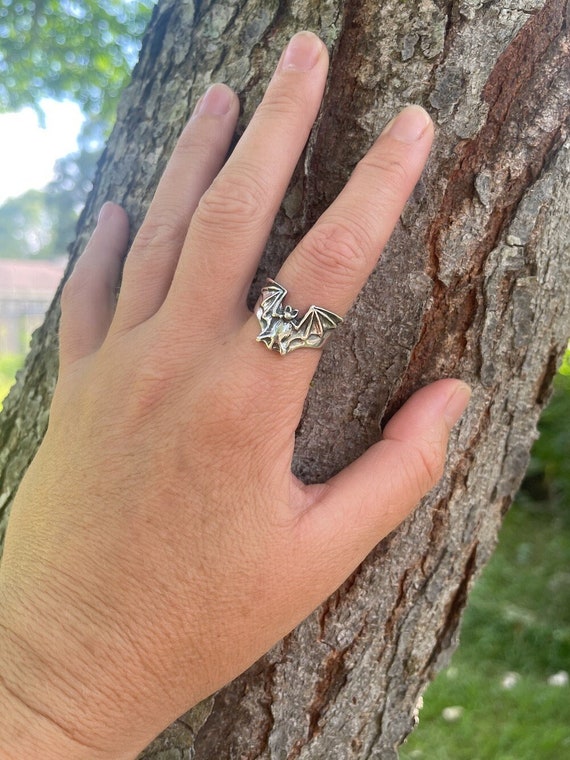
(330, 265)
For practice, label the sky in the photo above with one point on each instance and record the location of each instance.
(28, 152)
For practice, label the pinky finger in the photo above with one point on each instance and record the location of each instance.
(365, 501)
(89, 296)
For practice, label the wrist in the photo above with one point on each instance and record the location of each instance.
(25, 732)
(36, 718)
(29, 727)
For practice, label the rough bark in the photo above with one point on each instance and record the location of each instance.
(475, 283)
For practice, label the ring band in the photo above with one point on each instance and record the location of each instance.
(280, 329)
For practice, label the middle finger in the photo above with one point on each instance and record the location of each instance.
(234, 218)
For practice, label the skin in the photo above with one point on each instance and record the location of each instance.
(159, 543)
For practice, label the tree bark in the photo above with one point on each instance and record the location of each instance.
(475, 283)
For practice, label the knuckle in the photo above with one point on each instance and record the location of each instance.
(281, 102)
(163, 232)
(429, 465)
(235, 200)
(391, 169)
(149, 385)
(338, 249)
(189, 138)
(195, 139)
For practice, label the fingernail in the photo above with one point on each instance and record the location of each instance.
(457, 404)
(409, 125)
(216, 101)
(302, 52)
(105, 212)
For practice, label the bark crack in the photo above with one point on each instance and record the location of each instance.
(445, 634)
(531, 64)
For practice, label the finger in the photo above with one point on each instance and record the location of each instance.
(370, 497)
(232, 223)
(195, 161)
(89, 296)
(334, 259)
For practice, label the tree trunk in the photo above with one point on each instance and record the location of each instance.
(475, 283)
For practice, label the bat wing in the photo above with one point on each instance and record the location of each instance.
(313, 329)
(269, 312)
(270, 306)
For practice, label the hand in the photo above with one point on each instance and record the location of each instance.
(159, 543)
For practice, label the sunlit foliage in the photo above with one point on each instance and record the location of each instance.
(66, 50)
(78, 50)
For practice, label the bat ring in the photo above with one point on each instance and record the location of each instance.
(282, 331)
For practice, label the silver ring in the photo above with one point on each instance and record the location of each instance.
(282, 331)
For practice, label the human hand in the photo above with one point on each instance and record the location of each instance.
(159, 543)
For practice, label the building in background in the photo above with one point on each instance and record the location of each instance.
(26, 291)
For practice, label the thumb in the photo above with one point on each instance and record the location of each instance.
(364, 502)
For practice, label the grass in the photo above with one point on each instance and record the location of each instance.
(517, 629)
(9, 365)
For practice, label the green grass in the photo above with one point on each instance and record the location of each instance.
(548, 477)
(517, 621)
(9, 365)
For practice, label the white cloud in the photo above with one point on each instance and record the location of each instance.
(28, 152)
